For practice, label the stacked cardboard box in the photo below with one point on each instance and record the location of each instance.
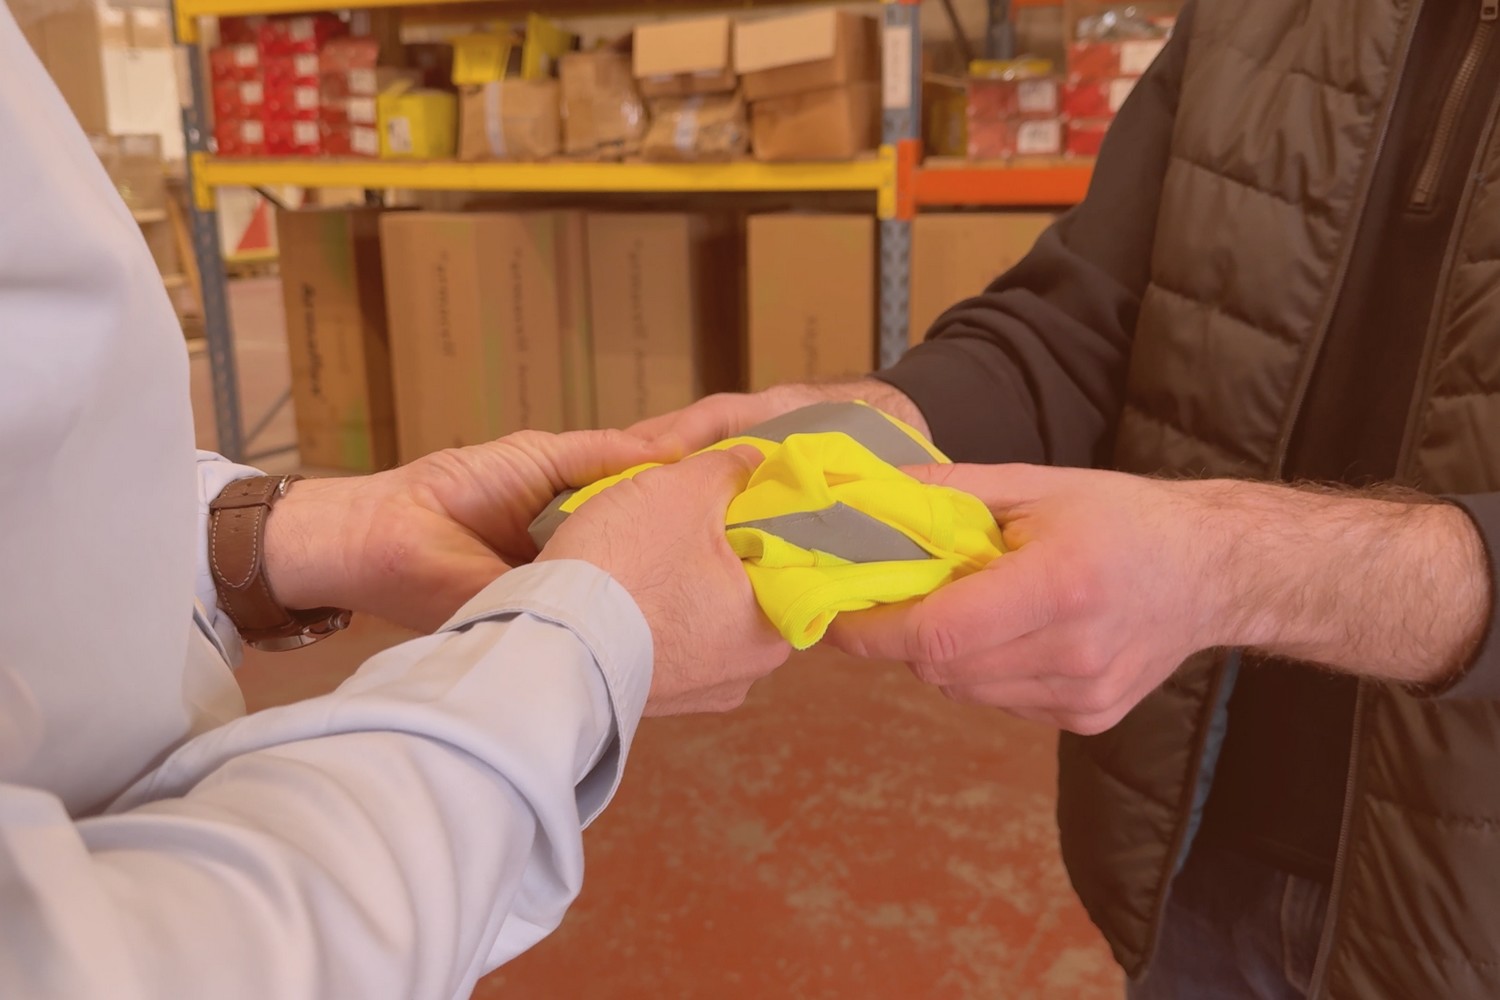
(510, 100)
(115, 68)
(811, 80)
(956, 255)
(337, 339)
(603, 117)
(1013, 110)
(478, 318)
(664, 292)
(686, 71)
(265, 83)
(811, 300)
(1111, 49)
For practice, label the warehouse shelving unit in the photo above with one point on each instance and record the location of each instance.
(899, 182)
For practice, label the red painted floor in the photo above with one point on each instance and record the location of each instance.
(848, 833)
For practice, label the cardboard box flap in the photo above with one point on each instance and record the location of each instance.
(700, 45)
(786, 41)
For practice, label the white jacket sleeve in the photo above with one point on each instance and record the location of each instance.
(214, 473)
(396, 838)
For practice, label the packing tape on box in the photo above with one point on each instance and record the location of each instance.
(685, 130)
(494, 120)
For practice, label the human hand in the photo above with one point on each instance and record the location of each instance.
(1106, 587)
(661, 536)
(411, 545)
(727, 414)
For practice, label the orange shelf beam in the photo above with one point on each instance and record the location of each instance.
(1001, 185)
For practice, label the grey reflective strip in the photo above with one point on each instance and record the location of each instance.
(864, 424)
(549, 520)
(841, 531)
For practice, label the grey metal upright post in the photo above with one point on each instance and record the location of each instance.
(901, 132)
(205, 231)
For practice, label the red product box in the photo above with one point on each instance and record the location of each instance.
(290, 70)
(240, 30)
(344, 139)
(279, 137)
(238, 99)
(307, 138)
(349, 110)
(340, 55)
(233, 62)
(1004, 138)
(240, 138)
(294, 102)
(1085, 137)
(1022, 97)
(1095, 98)
(1107, 60)
(303, 33)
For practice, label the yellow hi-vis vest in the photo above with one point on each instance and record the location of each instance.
(828, 523)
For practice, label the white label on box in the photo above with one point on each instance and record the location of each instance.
(361, 81)
(896, 67)
(252, 93)
(1037, 97)
(1118, 91)
(398, 135)
(1039, 138)
(1136, 57)
(361, 110)
(245, 56)
(301, 29)
(252, 132)
(305, 98)
(364, 141)
(305, 64)
(305, 133)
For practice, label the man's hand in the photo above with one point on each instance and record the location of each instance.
(1110, 581)
(661, 536)
(727, 414)
(413, 544)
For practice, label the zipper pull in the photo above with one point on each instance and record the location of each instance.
(1489, 10)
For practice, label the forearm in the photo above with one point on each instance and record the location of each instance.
(1390, 586)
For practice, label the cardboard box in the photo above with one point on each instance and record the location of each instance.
(679, 58)
(161, 240)
(302, 33)
(149, 29)
(417, 124)
(134, 164)
(811, 300)
(833, 124)
(234, 63)
(1005, 138)
(708, 128)
(510, 120)
(958, 255)
(1096, 98)
(300, 69)
(796, 53)
(337, 338)
(1107, 60)
(296, 102)
(663, 289)
(349, 139)
(574, 321)
(240, 138)
(474, 325)
(602, 113)
(345, 55)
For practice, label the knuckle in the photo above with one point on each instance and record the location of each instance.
(930, 673)
(935, 640)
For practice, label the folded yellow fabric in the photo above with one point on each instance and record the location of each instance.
(826, 525)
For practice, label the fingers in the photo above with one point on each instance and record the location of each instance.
(1006, 600)
(708, 481)
(1001, 488)
(579, 458)
(706, 422)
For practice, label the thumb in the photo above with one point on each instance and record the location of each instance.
(582, 457)
(722, 474)
(998, 487)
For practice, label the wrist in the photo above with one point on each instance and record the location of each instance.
(304, 550)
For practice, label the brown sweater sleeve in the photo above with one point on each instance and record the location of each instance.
(1033, 369)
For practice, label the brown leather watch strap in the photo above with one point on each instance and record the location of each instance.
(236, 545)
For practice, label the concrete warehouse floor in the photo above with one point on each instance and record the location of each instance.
(847, 833)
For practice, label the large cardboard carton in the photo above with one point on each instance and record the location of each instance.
(956, 256)
(575, 320)
(664, 291)
(811, 297)
(679, 58)
(474, 307)
(833, 124)
(134, 164)
(706, 128)
(337, 338)
(796, 53)
(112, 86)
(510, 120)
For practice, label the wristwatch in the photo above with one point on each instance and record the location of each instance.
(236, 545)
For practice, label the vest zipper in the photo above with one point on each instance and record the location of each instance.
(1316, 984)
(1426, 186)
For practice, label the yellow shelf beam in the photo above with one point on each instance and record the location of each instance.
(572, 178)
